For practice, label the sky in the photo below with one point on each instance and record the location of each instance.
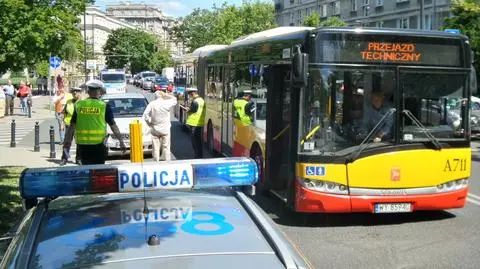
(176, 8)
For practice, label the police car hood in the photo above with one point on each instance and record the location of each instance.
(195, 230)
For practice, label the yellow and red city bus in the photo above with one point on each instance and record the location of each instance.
(188, 75)
(347, 119)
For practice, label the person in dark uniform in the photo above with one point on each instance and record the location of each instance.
(196, 120)
(89, 123)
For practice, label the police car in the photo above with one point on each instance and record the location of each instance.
(126, 108)
(179, 214)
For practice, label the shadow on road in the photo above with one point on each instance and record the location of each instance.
(284, 216)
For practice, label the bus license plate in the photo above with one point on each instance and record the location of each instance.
(393, 208)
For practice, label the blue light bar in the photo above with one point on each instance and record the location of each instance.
(90, 179)
(453, 31)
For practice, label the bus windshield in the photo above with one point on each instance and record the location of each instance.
(113, 78)
(342, 106)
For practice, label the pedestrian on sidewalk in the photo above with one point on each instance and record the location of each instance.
(23, 92)
(60, 100)
(9, 98)
(68, 113)
(157, 116)
(89, 123)
(196, 120)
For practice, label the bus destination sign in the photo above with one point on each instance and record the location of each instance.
(390, 52)
(397, 52)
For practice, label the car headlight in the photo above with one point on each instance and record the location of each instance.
(453, 185)
(474, 119)
(323, 186)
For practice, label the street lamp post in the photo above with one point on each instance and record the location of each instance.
(85, 41)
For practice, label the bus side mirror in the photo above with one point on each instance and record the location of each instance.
(300, 68)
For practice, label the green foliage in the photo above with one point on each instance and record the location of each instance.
(144, 50)
(31, 30)
(10, 200)
(313, 20)
(160, 60)
(466, 18)
(223, 24)
(42, 68)
(333, 21)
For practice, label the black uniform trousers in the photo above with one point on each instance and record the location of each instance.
(196, 136)
(92, 154)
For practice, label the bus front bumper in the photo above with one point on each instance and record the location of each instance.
(307, 200)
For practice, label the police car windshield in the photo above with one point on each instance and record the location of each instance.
(127, 107)
(113, 78)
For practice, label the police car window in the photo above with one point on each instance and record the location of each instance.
(127, 106)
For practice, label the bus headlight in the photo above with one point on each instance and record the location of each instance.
(453, 185)
(323, 186)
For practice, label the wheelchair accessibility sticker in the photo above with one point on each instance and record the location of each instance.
(315, 170)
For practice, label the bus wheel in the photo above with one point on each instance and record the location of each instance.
(256, 155)
(210, 147)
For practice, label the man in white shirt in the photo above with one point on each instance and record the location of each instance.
(157, 116)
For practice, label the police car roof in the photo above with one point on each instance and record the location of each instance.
(123, 95)
(196, 230)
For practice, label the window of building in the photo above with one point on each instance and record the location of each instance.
(403, 23)
(336, 7)
(353, 5)
(427, 22)
(379, 24)
(379, 2)
(365, 7)
(324, 10)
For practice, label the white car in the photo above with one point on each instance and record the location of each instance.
(126, 108)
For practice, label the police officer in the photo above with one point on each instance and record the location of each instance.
(196, 120)
(89, 122)
(244, 107)
(67, 117)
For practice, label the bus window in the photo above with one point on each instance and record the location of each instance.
(343, 106)
(434, 100)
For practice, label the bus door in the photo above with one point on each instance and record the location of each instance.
(279, 165)
(227, 112)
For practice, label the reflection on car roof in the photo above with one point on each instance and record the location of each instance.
(195, 229)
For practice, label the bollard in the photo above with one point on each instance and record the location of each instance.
(136, 143)
(12, 134)
(29, 106)
(36, 147)
(52, 142)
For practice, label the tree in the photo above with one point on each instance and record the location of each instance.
(333, 21)
(31, 30)
(142, 50)
(312, 21)
(466, 18)
(160, 60)
(223, 24)
(42, 68)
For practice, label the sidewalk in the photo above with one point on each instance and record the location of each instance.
(39, 111)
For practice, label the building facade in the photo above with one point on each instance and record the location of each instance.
(148, 18)
(407, 14)
(96, 29)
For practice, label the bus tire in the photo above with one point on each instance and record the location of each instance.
(256, 155)
(210, 146)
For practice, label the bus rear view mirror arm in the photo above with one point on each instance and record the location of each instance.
(300, 67)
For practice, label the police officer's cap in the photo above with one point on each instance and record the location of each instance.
(247, 92)
(191, 90)
(94, 84)
(75, 89)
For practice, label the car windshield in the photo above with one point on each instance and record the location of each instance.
(149, 74)
(113, 78)
(342, 106)
(127, 107)
(161, 80)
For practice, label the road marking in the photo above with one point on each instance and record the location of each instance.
(473, 201)
(474, 196)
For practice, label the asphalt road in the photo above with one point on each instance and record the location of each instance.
(444, 239)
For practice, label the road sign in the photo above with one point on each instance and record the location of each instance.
(55, 62)
(91, 64)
